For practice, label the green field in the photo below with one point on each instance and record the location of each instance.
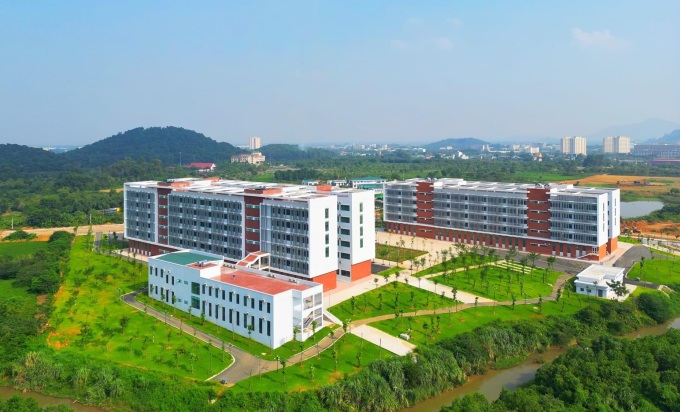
(461, 261)
(13, 249)
(22, 300)
(546, 177)
(367, 305)
(285, 351)
(298, 376)
(468, 319)
(91, 320)
(500, 284)
(660, 270)
(396, 254)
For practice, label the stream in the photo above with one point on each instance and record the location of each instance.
(46, 400)
(494, 381)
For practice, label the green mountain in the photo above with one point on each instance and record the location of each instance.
(167, 144)
(464, 143)
(17, 159)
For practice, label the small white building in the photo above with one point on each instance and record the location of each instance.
(593, 281)
(241, 298)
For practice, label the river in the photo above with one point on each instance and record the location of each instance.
(492, 383)
(639, 208)
(45, 400)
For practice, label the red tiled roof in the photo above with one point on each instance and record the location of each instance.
(269, 286)
(201, 165)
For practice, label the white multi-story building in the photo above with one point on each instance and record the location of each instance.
(254, 143)
(559, 220)
(299, 226)
(575, 145)
(616, 144)
(264, 306)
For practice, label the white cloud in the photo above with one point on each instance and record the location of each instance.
(398, 44)
(602, 39)
(455, 21)
(443, 43)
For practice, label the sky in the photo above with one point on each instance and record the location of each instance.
(311, 72)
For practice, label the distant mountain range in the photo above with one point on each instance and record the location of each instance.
(641, 132)
(670, 138)
(463, 143)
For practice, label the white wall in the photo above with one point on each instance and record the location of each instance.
(319, 264)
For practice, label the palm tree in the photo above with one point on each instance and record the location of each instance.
(314, 325)
(551, 261)
(296, 331)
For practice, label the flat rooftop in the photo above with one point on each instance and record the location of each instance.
(258, 283)
(185, 258)
(598, 272)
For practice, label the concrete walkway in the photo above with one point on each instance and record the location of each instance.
(386, 341)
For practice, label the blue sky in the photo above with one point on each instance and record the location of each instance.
(342, 71)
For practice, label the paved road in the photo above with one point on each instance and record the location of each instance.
(632, 256)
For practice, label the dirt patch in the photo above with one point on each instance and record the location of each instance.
(61, 339)
(644, 186)
(41, 299)
(650, 229)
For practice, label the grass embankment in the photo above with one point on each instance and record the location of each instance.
(192, 322)
(299, 376)
(395, 296)
(500, 282)
(447, 325)
(396, 253)
(14, 249)
(660, 271)
(89, 319)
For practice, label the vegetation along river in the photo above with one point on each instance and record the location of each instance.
(492, 383)
(44, 400)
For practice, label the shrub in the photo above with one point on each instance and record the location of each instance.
(656, 306)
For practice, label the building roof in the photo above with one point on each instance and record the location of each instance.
(185, 258)
(368, 178)
(258, 283)
(200, 165)
(598, 273)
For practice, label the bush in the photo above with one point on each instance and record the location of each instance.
(20, 235)
(656, 306)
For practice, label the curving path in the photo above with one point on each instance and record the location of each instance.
(246, 365)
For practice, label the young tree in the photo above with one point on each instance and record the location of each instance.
(314, 325)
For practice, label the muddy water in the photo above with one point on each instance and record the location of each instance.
(44, 400)
(494, 381)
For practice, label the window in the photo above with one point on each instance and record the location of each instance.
(195, 288)
(361, 207)
(327, 251)
(269, 309)
(344, 255)
(361, 243)
(344, 208)
(195, 302)
(326, 213)
(327, 239)
(361, 219)
(260, 307)
(344, 243)
(327, 225)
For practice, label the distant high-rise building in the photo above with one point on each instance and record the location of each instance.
(575, 145)
(616, 144)
(254, 143)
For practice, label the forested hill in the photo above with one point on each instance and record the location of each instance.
(162, 143)
(17, 159)
(463, 143)
(670, 138)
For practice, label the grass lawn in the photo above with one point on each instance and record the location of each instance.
(298, 376)
(90, 319)
(390, 271)
(367, 305)
(629, 239)
(285, 351)
(660, 271)
(396, 254)
(482, 281)
(468, 319)
(13, 249)
(469, 259)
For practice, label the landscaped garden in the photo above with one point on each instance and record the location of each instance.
(428, 329)
(345, 357)
(502, 281)
(388, 299)
(90, 319)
